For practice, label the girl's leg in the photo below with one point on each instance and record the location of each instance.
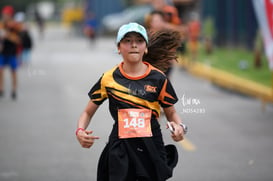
(13, 65)
(14, 83)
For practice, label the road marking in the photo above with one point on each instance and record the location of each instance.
(187, 145)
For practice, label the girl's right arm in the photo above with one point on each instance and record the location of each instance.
(84, 136)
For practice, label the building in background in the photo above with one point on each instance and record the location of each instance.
(235, 21)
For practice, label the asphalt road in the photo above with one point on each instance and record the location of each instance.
(229, 139)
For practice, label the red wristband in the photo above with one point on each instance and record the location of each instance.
(79, 130)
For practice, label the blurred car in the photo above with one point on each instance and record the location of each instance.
(112, 22)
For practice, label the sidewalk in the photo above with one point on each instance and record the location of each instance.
(228, 80)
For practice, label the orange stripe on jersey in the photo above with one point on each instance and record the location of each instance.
(164, 94)
(108, 81)
(154, 68)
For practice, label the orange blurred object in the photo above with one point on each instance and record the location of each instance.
(173, 13)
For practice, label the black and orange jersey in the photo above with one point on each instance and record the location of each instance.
(149, 91)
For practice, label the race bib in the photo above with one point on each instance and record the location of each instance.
(134, 123)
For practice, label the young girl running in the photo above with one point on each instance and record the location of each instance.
(136, 90)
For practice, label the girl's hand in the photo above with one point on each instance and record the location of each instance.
(178, 133)
(85, 138)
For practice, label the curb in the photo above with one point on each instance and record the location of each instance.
(228, 80)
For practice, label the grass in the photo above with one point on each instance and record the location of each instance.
(238, 62)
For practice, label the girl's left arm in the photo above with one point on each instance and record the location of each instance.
(175, 120)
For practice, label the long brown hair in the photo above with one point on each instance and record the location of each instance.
(162, 48)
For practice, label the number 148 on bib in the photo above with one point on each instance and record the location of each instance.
(133, 123)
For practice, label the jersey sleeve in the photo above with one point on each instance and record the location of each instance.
(98, 93)
(167, 96)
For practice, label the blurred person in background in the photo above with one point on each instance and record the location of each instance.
(40, 22)
(26, 39)
(172, 17)
(194, 29)
(90, 25)
(10, 40)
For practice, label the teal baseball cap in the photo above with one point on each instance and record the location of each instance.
(131, 27)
